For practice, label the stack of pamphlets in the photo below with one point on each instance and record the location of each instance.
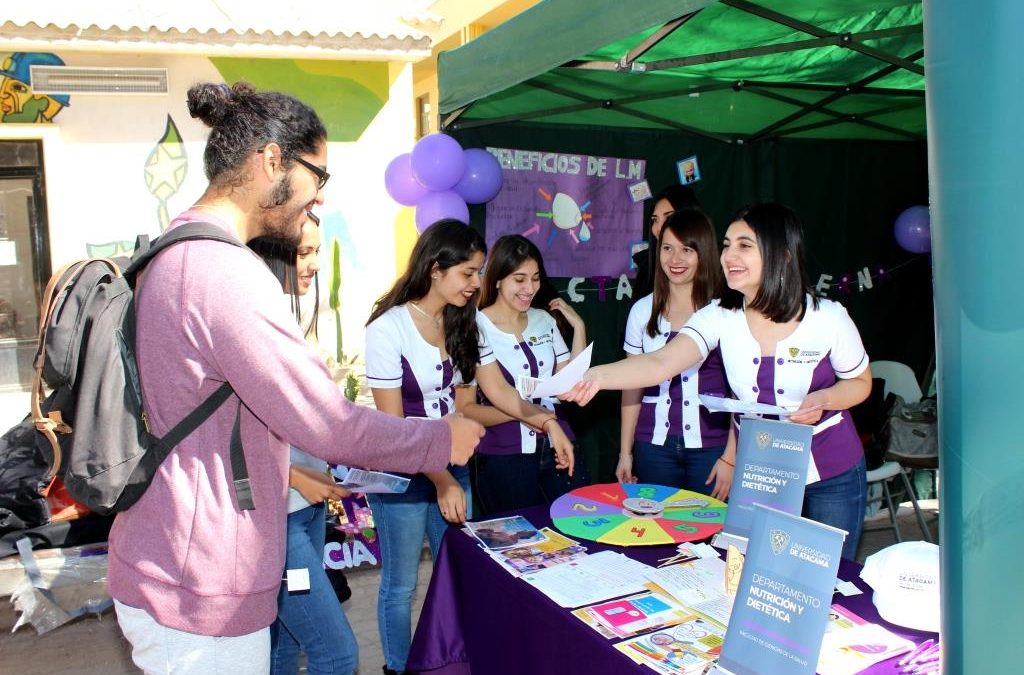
(851, 644)
(688, 648)
(698, 585)
(529, 558)
(633, 615)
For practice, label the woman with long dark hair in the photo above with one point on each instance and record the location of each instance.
(514, 465)
(782, 345)
(667, 438)
(421, 343)
(312, 622)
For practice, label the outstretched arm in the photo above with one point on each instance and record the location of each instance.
(643, 370)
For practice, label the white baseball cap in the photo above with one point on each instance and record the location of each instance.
(905, 577)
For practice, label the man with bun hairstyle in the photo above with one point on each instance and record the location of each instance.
(195, 578)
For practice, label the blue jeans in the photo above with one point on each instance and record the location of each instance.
(402, 521)
(508, 482)
(674, 464)
(312, 621)
(840, 502)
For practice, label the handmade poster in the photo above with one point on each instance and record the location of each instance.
(577, 209)
(771, 468)
(637, 514)
(784, 598)
(353, 541)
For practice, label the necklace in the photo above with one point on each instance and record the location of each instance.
(436, 320)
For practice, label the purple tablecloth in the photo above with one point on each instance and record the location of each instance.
(478, 618)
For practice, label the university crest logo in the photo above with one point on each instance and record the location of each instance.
(794, 352)
(779, 539)
(763, 439)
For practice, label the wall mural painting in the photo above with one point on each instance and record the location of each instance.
(18, 102)
(166, 168)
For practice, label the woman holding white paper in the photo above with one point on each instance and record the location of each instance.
(515, 465)
(308, 620)
(667, 437)
(422, 341)
(782, 345)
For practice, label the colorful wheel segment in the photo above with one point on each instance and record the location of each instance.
(637, 514)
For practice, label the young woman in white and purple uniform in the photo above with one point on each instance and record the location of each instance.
(781, 344)
(667, 437)
(422, 342)
(515, 464)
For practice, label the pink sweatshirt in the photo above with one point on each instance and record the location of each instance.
(207, 313)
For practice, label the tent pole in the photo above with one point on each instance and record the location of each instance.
(626, 63)
(450, 118)
(800, 86)
(839, 117)
(796, 24)
(814, 43)
(845, 91)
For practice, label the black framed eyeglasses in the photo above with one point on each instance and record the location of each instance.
(321, 175)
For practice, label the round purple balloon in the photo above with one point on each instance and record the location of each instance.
(439, 206)
(437, 161)
(481, 180)
(913, 230)
(401, 184)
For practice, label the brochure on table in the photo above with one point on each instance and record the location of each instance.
(772, 465)
(782, 605)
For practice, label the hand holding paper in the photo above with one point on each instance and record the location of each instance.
(562, 381)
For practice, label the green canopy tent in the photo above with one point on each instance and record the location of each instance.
(730, 70)
(815, 103)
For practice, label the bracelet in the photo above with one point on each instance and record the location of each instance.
(723, 460)
(543, 426)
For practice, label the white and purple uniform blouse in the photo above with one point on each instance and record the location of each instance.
(825, 346)
(541, 349)
(397, 356)
(672, 407)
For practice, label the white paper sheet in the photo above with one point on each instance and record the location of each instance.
(560, 382)
(597, 577)
(732, 405)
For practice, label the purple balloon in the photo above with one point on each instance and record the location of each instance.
(439, 206)
(401, 184)
(481, 180)
(913, 230)
(437, 161)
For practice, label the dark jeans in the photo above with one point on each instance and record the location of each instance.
(675, 465)
(840, 502)
(509, 482)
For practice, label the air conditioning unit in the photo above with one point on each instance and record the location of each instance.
(78, 80)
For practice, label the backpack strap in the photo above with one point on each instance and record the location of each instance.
(187, 232)
(145, 252)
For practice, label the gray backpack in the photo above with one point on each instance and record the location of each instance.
(94, 419)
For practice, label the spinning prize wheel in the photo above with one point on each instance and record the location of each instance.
(637, 514)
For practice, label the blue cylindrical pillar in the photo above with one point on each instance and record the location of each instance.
(975, 94)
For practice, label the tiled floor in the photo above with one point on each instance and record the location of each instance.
(94, 646)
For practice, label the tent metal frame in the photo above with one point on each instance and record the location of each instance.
(820, 37)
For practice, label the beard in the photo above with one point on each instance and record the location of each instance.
(279, 219)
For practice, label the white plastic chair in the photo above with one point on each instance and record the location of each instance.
(899, 379)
